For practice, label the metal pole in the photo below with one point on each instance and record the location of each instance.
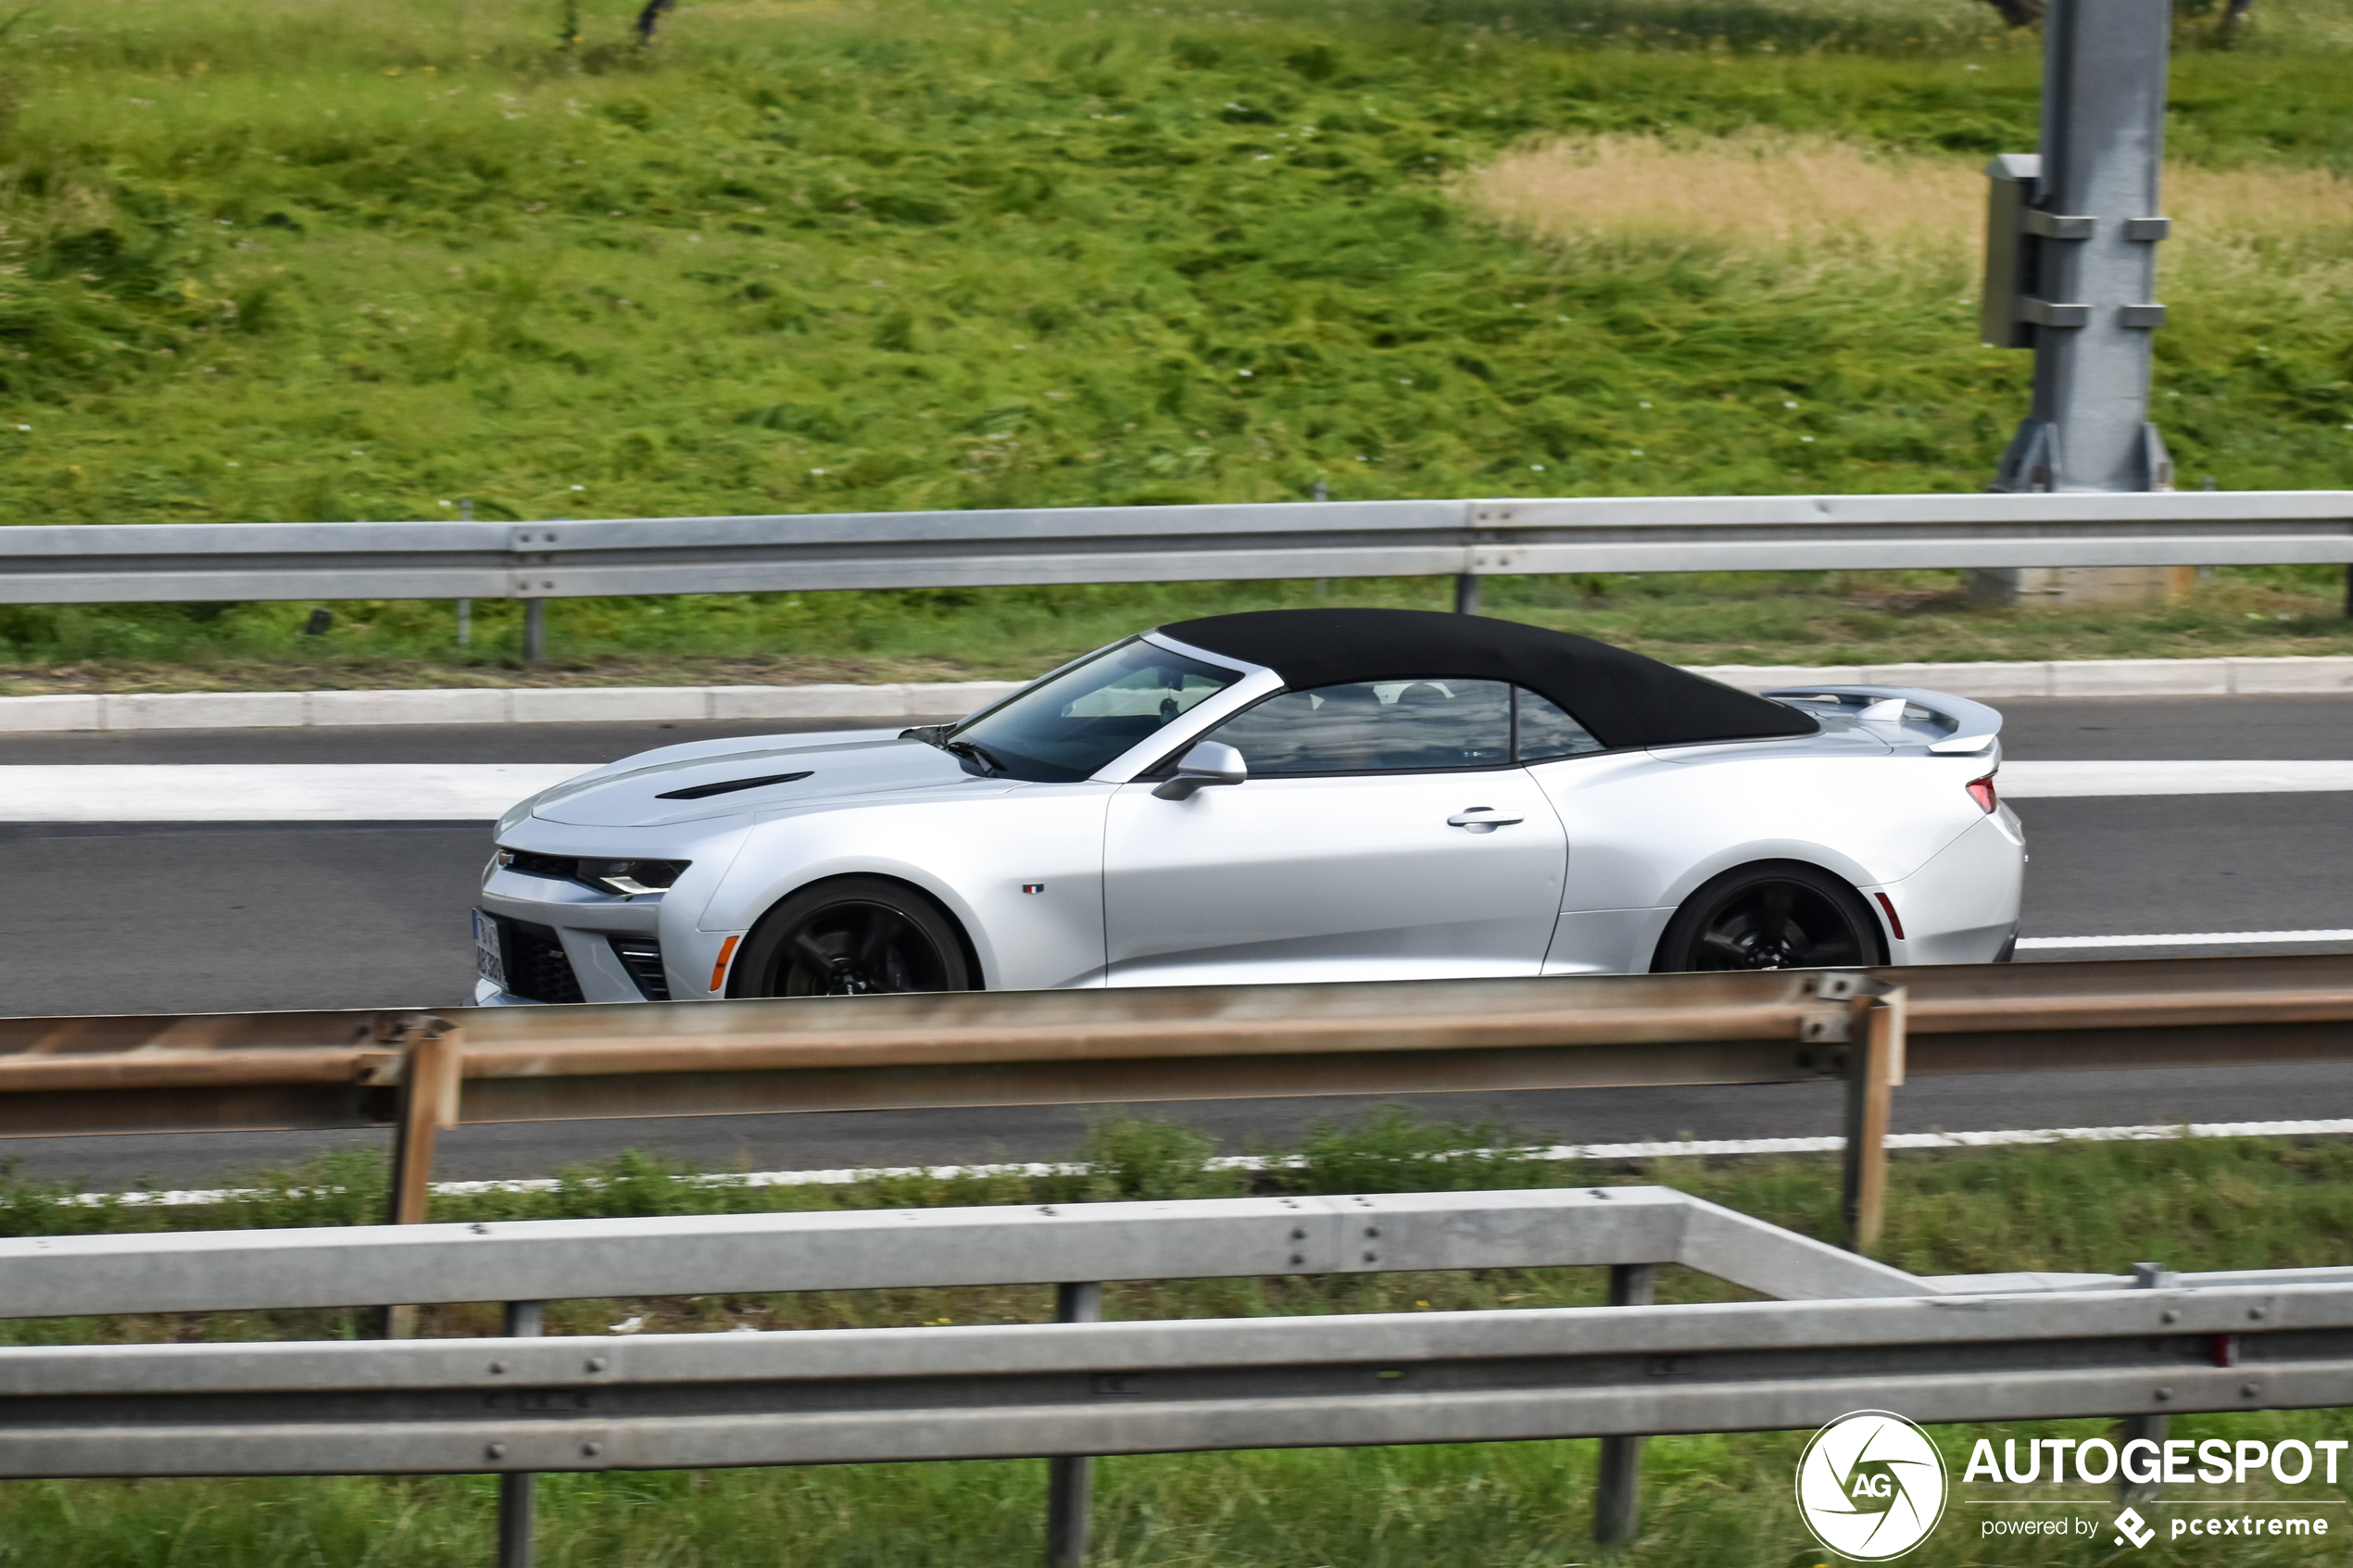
(1323, 585)
(2145, 1276)
(1617, 1493)
(466, 606)
(1465, 594)
(534, 630)
(1070, 1478)
(429, 1088)
(2088, 283)
(1874, 1066)
(524, 1320)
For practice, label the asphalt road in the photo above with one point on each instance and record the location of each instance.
(235, 917)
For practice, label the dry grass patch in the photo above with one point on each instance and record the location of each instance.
(1757, 192)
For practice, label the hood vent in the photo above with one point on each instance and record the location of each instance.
(699, 792)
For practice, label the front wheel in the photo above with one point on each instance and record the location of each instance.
(1776, 915)
(857, 936)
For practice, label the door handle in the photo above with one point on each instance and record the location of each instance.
(1480, 818)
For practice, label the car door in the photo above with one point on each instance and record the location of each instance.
(1383, 834)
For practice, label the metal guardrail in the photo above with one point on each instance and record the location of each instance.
(419, 1072)
(1964, 1348)
(663, 1401)
(914, 1248)
(162, 562)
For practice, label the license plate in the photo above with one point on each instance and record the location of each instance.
(490, 961)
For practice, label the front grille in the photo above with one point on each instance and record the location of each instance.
(641, 956)
(532, 863)
(536, 966)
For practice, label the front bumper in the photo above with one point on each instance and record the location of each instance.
(562, 942)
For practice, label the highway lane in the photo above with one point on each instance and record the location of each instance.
(112, 918)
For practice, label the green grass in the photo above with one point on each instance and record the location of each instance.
(1709, 1500)
(270, 260)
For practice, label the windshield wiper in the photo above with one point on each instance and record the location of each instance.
(974, 755)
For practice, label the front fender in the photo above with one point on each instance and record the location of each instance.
(976, 855)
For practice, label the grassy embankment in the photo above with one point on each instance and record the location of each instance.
(1709, 1500)
(331, 260)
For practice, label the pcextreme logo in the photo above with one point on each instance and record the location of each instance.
(1871, 1486)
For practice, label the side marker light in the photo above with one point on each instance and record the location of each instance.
(719, 970)
(1895, 920)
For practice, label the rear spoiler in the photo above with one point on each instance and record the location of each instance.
(1961, 728)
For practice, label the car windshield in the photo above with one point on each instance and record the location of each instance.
(1072, 725)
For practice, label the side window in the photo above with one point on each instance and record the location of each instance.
(1376, 725)
(1544, 730)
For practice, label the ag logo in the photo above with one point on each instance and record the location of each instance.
(1871, 1486)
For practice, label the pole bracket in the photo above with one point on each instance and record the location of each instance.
(2043, 313)
(2149, 316)
(2148, 231)
(2051, 226)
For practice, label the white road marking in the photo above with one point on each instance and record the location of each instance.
(2046, 780)
(845, 1174)
(2190, 939)
(300, 792)
(277, 792)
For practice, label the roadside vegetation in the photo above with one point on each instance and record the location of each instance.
(330, 261)
(2192, 1204)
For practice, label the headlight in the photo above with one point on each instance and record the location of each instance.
(625, 877)
(631, 876)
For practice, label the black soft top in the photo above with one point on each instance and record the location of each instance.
(1624, 698)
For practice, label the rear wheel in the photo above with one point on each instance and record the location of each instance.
(1780, 914)
(856, 936)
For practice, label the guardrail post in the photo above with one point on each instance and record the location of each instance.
(2145, 1276)
(1465, 594)
(466, 606)
(1874, 1066)
(534, 630)
(524, 1320)
(1618, 1492)
(1070, 1478)
(433, 1054)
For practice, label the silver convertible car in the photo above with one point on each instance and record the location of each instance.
(1285, 796)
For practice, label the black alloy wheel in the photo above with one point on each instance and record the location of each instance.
(855, 936)
(1781, 914)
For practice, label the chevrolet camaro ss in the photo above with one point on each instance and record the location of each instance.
(1283, 796)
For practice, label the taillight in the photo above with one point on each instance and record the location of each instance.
(1982, 791)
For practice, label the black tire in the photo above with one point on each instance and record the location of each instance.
(852, 936)
(1776, 914)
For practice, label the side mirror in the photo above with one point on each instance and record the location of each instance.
(1211, 763)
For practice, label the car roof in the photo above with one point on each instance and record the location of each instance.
(1622, 698)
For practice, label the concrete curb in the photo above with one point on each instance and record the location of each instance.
(492, 705)
(587, 705)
